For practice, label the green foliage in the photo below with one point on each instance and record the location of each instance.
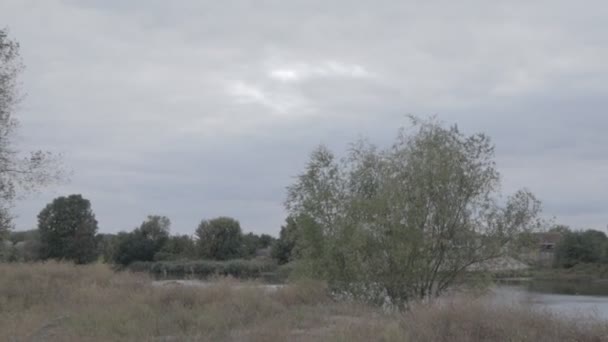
(24, 235)
(576, 247)
(283, 247)
(133, 247)
(156, 229)
(207, 268)
(176, 248)
(67, 229)
(405, 222)
(22, 246)
(106, 244)
(560, 228)
(252, 243)
(220, 239)
(144, 242)
(265, 241)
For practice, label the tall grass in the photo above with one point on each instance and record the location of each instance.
(61, 302)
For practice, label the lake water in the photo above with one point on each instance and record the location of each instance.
(568, 298)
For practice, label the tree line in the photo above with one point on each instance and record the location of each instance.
(67, 230)
(577, 247)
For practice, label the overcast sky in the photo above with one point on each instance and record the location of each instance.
(195, 109)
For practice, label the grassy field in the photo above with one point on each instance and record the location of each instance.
(61, 302)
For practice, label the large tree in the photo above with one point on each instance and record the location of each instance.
(406, 222)
(67, 230)
(220, 238)
(19, 172)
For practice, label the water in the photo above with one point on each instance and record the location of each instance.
(567, 298)
(201, 283)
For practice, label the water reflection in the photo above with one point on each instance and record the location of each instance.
(570, 298)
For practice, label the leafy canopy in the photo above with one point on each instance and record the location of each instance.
(220, 238)
(67, 229)
(143, 243)
(406, 222)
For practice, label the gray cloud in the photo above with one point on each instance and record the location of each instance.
(199, 109)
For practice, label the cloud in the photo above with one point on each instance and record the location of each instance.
(303, 71)
(211, 108)
(277, 102)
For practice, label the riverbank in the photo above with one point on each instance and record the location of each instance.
(596, 272)
(581, 272)
(60, 302)
(260, 268)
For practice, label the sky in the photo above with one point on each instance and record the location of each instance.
(196, 109)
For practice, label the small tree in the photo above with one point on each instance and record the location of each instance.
(67, 230)
(220, 238)
(406, 222)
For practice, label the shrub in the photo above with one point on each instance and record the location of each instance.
(247, 269)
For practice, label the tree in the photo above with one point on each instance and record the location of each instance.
(67, 229)
(19, 173)
(407, 222)
(283, 247)
(132, 247)
(560, 229)
(253, 242)
(220, 238)
(106, 245)
(144, 242)
(578, 247)
(156, 229)
(177, 247)
(250, 245)
(265, 241)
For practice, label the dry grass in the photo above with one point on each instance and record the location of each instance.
(61, 302)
